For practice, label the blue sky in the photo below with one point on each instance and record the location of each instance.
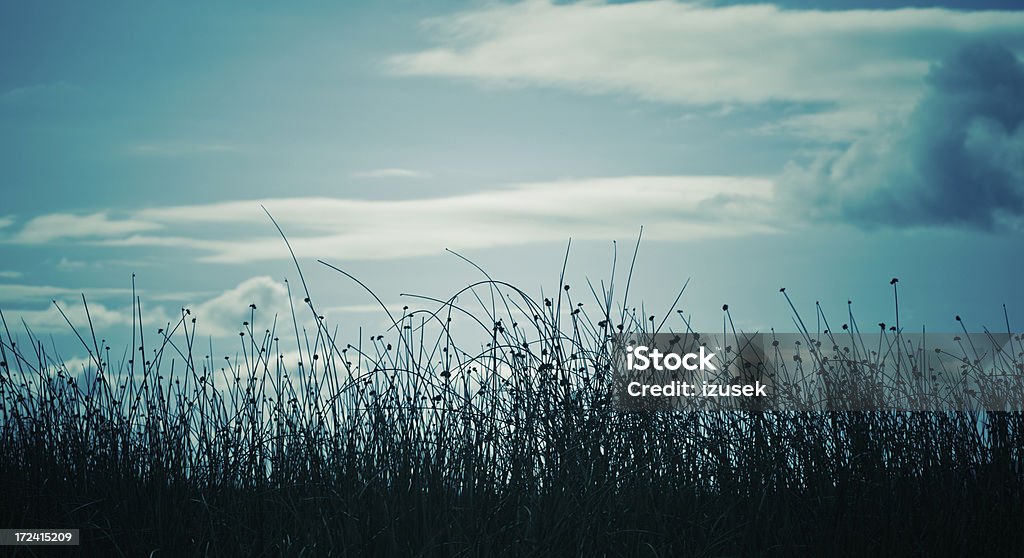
(825, 147)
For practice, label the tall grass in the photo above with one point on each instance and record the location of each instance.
(478, 425)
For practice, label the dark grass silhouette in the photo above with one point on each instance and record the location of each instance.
(417, 442)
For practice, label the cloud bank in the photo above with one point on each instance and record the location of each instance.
(853, 64)
(225, 313)
(671, 207)
(956, 160)
(221, 316)
(57, 226)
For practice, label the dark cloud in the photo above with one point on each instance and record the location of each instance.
(957, 159)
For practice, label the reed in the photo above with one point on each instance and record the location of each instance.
(481, 424)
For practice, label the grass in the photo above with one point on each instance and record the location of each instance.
(479, 425)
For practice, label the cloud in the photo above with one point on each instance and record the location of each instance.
(388, 173)
(21, 293)
(396, 309)
(78, 365)
(47, 319)
(218, 316)
(56, 226)
(223, 315)
(6, 222)
(672, 208)
(66, 264)
(10, 274)
(956, 160)
(848, 63)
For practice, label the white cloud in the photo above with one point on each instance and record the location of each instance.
(15, 293)
(388, 173)
(57, 226)
(671, 207)
(853, 62)
(218, 316)
(10, 275)
(224, 314)
(6, 222)
(48, 319)
(79, 365)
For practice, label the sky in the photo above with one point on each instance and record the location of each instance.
(824, 147)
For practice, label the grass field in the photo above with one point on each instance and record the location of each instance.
(482, 425)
